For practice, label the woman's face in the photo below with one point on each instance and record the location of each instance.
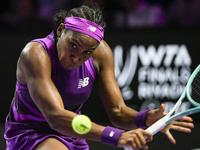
(74, 49)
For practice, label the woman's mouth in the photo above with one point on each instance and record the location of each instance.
(67, 65)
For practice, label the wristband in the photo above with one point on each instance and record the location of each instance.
(140, 119)
(111, 136)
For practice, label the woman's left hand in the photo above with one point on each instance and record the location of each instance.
(183, 124)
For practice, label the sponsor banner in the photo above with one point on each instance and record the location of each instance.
(160, 74)
(154, 70)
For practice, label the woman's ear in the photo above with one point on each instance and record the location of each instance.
(60, 29)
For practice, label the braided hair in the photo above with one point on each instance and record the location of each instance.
(93, 14)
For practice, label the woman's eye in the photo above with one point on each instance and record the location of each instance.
(88, 52)
(73, 45)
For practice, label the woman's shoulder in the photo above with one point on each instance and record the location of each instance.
(32, 59)
(103, 55)
(32, 49)
(33, 53)
(103, 50)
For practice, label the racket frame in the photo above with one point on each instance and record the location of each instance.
(161, 123)
(169, 118)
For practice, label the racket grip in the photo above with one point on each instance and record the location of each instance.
(156, 127)
(153, 129)
(127, 148)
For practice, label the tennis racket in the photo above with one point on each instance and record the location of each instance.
(190, 93)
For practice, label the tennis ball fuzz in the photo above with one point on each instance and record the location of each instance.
(81, 124)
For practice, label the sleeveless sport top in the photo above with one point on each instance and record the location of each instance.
(74, 85)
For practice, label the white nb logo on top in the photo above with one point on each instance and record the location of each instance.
(83, 82)
(91, 28)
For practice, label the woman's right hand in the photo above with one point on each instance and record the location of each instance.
(135, 139)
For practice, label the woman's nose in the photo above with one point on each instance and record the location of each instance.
(75, 59)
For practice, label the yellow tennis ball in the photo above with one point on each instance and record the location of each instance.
(81, 124)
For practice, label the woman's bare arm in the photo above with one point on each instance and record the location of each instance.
(120, 115)
(34, 69)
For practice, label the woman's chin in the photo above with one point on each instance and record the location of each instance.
(68, 67)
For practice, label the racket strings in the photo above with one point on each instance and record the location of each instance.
(195, 88)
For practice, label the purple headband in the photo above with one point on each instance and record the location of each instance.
(84, 26)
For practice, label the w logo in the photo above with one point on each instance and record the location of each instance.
(152, 61)
(91, 28)
(125, 74)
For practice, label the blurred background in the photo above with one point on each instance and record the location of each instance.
(37, 14)
(155, 44)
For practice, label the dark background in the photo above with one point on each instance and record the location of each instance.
(13, 42)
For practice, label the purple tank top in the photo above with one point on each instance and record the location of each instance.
(74, 85)
(26, 122)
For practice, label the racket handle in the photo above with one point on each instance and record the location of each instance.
(153, 129)
(156, 127)
(127, 148)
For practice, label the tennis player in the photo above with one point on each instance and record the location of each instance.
(55, 75)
